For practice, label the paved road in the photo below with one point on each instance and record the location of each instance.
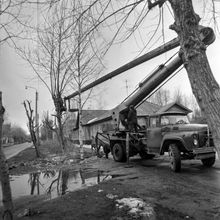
(15, 149)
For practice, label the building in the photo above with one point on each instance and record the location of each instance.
(71, 126)
(101, 120)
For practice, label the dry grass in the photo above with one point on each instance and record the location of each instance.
(49, 149)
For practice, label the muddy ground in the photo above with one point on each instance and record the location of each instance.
(154, 191)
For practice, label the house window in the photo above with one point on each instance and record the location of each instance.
(154, 122)
(164, 120)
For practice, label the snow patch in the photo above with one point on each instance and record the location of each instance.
(111, 196)
(136, 207)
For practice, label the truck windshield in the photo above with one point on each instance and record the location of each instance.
(174, 119)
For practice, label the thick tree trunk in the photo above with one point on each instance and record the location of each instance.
(60, 135)
(60, 131)
(4, 174)
(193, 52)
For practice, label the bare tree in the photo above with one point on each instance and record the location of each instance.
(32, 129)
(180, 97)
(160, 97)
(11, 15)
(52, 59)
(47, 127)
(87, 65)
(67, 52)
(4, 174)
(50, 126)
(18, 134)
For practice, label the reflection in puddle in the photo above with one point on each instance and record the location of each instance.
(54, 183)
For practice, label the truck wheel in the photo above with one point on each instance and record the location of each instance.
(175, 159)
(118, 153)
(208, 162)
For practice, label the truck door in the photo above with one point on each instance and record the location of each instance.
(154, 136)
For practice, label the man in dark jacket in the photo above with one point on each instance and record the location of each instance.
(132, 119)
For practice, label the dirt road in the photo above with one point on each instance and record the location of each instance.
(155, 191)
(192, 194)
(15, 149)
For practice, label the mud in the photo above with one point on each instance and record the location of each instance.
(158, 193)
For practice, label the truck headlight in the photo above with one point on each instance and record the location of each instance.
(195, 142)
(195, 139)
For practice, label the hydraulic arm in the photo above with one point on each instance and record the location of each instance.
(207, 36)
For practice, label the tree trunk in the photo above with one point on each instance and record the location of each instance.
(60, 131)
(33, 137)
(79, 52)
(60, 135)
(4, 174)
(64, 185)
(81, 135)
(36, 146)
(29, 113)
(193, 52)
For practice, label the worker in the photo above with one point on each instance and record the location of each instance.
(123, 125)
(132, 119)
(96, 144)
(93, 144)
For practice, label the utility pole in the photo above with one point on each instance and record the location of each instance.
(37, 118)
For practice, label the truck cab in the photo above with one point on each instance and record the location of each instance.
(173, 133)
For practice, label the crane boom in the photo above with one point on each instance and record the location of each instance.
(156, 52)
(206, 34)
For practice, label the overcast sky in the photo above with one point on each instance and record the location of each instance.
(15, 74)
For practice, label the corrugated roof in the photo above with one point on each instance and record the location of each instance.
(147, 108)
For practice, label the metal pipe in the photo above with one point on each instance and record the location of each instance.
(156, 52)
(206, 34)
(153, 81)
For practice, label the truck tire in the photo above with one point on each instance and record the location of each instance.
(175, 158)
(208, 162)
(118, 153)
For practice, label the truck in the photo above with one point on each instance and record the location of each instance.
(168, 132)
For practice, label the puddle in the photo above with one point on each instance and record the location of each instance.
(53, 183)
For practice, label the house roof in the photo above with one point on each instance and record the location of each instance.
(144, 109)
(87, 115)
(147, 108)
(174, 107)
